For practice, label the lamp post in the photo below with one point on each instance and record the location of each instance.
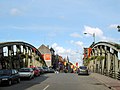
(118, 28)
(93, 36)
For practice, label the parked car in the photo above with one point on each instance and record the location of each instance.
(9, 76)
(51, 70)
(41, 70)
(46, 69)
(82, 70)
(26, 73)
(36, 71)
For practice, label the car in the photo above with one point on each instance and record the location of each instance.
(82, 70)
(41, 70)
(9, 76)
(36, 71)
(26, 73)
(51, 70)
(46, 69)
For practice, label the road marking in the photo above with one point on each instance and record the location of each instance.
(46, 87)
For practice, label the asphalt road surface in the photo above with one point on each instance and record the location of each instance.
(61, 81)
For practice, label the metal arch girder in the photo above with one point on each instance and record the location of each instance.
(109, 44)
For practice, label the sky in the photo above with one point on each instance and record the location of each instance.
(61, 24)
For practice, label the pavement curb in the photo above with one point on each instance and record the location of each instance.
(107, 85)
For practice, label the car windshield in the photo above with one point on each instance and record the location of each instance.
(24, 70)
(5, 72)
(83, 67)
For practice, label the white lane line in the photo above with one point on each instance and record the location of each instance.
(46, 87)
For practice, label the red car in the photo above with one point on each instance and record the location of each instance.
(36, 71)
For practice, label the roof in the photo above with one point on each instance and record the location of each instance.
(44, 49)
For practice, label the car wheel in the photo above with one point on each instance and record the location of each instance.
(9, 82)
(18, 80)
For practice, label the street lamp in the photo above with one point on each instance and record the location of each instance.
(118, 28)
(93, 36)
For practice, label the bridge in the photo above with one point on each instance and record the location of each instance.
(105, 58)
(19, 54)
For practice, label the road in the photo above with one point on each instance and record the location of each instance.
(61, 81)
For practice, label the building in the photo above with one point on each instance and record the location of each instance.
(46, 54)
(54, 59)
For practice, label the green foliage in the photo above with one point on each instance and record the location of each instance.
(100, 58)
(86, 61)
(93, 57)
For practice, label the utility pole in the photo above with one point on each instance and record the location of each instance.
(93, 36)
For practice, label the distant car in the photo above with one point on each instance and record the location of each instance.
(46, 69)
(82, 70)
(9, 76)
(41, 70)
(26, 73)
(51, 70)
(36, 71)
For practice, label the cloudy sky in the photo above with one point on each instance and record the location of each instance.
(61, 24)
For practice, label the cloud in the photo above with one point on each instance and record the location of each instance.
(113, 26)
(98, 32)
(77, 43)
(15, 12)
(76, 35)
(92, 30)
(58, 49)
(72, 54)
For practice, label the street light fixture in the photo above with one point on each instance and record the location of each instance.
(118, 28)
(93, 36)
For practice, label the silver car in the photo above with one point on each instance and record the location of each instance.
(82, 70)
(26, 73)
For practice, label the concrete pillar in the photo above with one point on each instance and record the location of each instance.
(33, 57)
(10, 55)
(24, 60)
(29, 57)
(97, 61)
(18, 52)
(105, 60)
(115, 63)
(108, 61)
(101, 49)
(102, 54)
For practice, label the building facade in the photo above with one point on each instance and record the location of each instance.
(46, 54)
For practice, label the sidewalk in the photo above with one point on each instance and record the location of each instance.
(107, 81)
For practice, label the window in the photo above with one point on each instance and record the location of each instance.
(13, 72)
